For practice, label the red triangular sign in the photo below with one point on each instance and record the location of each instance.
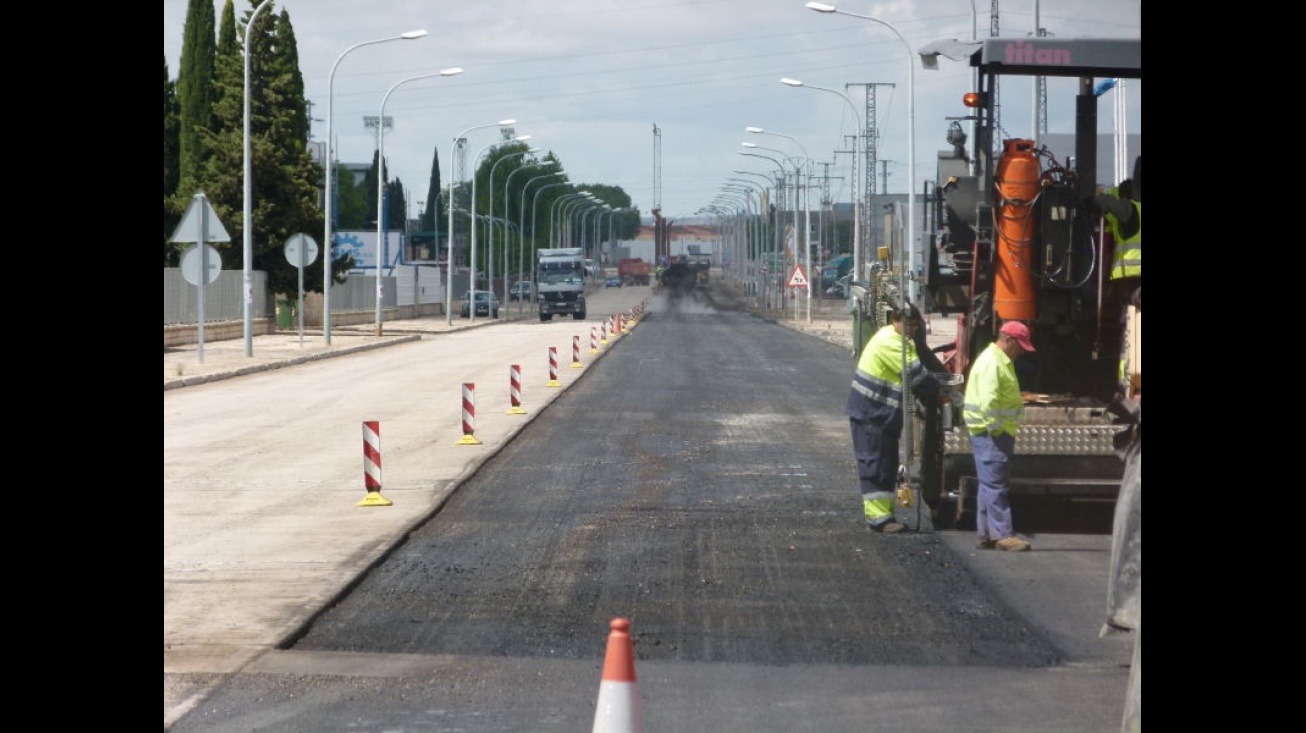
(798, 279)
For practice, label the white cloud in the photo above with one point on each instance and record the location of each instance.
(588, 79)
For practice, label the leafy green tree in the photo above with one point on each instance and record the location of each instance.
(351, 201)
(284, 185)
(171, 164)
(625, 224)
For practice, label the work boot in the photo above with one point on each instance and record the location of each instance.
(984, 543)
(1012, 544)
(890, 527)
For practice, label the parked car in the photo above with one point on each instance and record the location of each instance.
(486, 304)
(520, 290)
(612, 282)
(839, 289)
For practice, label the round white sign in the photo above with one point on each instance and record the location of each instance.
(293, 246)
(191, 265)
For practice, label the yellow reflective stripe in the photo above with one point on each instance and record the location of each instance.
(879, 507)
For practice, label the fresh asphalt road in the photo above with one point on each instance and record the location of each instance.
(806, 651)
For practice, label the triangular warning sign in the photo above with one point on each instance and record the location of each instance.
(200, 212)
(798, 279)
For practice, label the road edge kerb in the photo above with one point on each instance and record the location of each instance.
(282, 363)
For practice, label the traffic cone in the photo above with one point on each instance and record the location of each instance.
(618, 707)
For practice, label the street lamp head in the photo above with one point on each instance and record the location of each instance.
(753, 129)
(822, 7)
(505, 123)
(521, 138)
(412, 35)
(749, 145)
(791, 82)
(451, 71)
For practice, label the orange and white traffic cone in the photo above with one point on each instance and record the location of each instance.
(618, 707)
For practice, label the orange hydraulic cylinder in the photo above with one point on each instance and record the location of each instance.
(1017, 183)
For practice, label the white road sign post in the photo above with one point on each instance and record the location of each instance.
(798, 279)
(201, 264)
(301, 251)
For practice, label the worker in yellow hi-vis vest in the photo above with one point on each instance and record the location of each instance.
(874, 409)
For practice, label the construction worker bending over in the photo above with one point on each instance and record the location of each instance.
(875, 412)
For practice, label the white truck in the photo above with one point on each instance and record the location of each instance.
(560, 283)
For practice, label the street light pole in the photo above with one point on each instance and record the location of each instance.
(247, 225)
(535, 237)
(783, 175)
(490, 222)
(329, 205)
(380, 182)
(909, 285)
(521, 230)
(799, 189)
(749, 227)
(807, 209)
(521, 222)
(471, 290)
(555, 213)
(448, 258)
(858, 152)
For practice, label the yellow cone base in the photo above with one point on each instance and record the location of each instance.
(553, 383)
(374, 498)
(468, 439)
(577, 365)
(516, 411)
(594, 351)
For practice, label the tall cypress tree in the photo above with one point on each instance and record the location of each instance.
(431, 218)
(396, 206)
(171, 164)
(194, 88)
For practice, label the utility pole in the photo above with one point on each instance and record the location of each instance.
(997, 108)
(1040, 124)
(872, 144)
(661, 235)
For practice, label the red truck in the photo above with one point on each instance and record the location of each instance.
(634, 271)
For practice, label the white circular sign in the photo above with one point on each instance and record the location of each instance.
(293, 246)
(191, 265)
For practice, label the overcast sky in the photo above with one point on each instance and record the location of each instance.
(589, 79)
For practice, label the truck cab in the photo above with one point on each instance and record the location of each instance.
(560, 286)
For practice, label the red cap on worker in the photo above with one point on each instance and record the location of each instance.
(1018, 331)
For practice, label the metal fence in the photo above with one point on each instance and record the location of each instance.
(224, 301)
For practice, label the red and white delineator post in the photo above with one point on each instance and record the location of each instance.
(469, 415)
(514, 390)
(618, 709)
(372, 465)
(594, 339)
(553, 368)
(575, 353)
